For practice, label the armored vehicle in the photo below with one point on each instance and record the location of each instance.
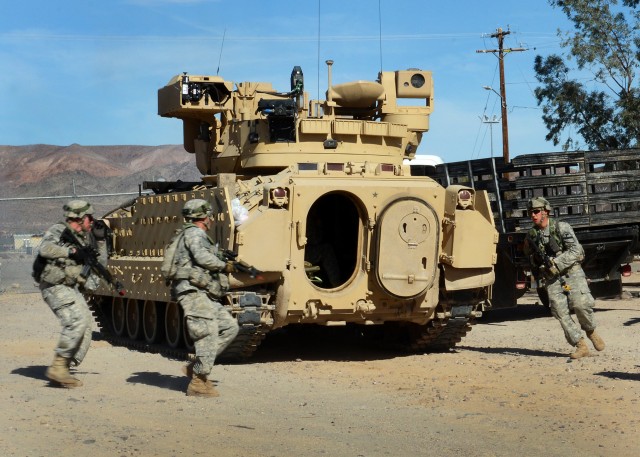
(312, 194)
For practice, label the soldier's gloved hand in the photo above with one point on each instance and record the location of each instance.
(99, 229)
(542, 272)
(230, 267)
(81, 255)
(553, 269)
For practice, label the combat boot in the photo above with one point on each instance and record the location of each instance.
(598, 342)
(201, 387)
(581, 350)
(59, 372)
(187, 370)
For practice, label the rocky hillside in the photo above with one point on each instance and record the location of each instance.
(54, 171)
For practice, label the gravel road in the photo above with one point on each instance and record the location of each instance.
(508, 389)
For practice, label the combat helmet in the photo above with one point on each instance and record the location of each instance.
(76, 209)
(538, 202)
(196, 209)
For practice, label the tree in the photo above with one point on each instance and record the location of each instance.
(604, 108)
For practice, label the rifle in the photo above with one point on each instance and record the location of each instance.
(548, 264)
(92, 262)
(243, 267)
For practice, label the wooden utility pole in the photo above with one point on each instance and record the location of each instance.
(500, 52)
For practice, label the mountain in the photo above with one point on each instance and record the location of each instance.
(53, 171)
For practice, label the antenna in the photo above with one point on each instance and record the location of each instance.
(221, 46)
(380, 30)
(318, 62)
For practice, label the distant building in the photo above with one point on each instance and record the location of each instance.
(27, 243)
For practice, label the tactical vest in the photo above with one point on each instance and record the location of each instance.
(60, 270)
(556, 243)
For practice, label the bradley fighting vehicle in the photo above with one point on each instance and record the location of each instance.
(314, 195)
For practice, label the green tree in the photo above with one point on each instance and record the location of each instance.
(604, 107)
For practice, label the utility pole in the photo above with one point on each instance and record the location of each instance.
(500, 53)
(489, 120)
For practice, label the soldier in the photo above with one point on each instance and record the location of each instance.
(555, 256)
(63, 277)
(198, 284)
(319, 252)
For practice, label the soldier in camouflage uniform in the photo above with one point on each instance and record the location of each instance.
(562, 275)
(63, 278)
(198, 284)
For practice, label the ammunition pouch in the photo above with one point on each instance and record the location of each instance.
(214, 290)
(53, 273)
(213, 283)
(200, 277)
(56, 273)
(61, 271)
(72, 275)
(219, 286)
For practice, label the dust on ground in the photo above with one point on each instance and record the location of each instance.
(508, 389)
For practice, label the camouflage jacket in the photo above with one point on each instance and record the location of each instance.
(199, 266)
(60, 269)
(559, 242)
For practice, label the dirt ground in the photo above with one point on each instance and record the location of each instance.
(508, 389)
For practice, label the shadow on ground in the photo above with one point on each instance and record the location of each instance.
(33, 372)
(517, 313)
(620, 375)
(632, 321)
(164, 381)
(513, 351)
(315, 342)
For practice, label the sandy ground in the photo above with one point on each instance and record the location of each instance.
(509, 389)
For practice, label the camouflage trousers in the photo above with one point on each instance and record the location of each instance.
(70, 307)
(579, 300)
(211, 327)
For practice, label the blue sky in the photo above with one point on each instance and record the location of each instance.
(87, 71)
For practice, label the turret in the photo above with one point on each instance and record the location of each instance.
(248, 128)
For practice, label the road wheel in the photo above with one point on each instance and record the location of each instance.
(151, 321)
(134, 324)
(118, 316)
(173, 324)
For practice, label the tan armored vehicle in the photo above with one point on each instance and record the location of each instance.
(313, 194)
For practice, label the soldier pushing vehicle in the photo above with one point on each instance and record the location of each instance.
(198, 281)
